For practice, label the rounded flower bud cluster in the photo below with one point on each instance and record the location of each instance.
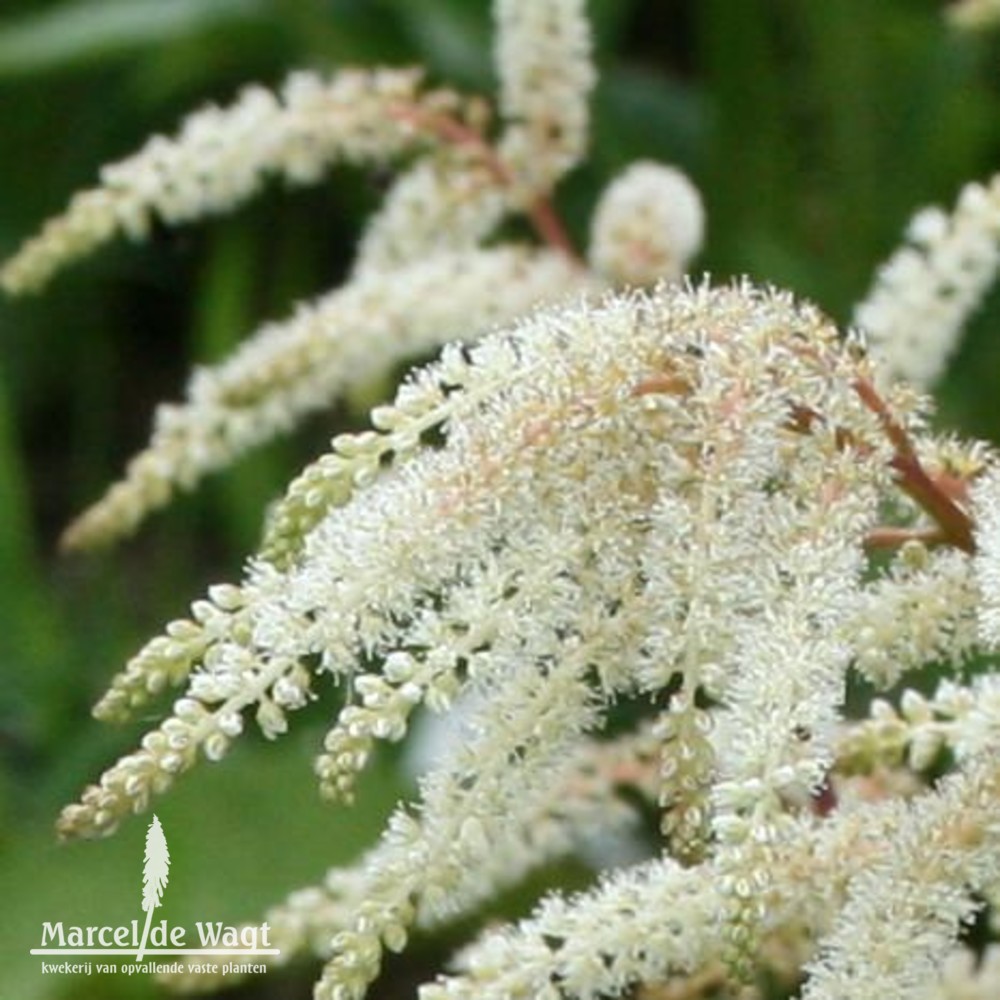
(647, 227)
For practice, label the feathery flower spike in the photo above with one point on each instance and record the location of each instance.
(222, 156)
(291, 369)
(924, 294)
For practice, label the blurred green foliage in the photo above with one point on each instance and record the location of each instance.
(813, 129)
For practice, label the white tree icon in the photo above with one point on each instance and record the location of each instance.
(155, 871)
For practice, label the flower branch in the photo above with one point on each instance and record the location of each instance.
(932, 495)
(448, 129)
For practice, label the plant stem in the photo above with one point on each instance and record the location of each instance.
(541, 213)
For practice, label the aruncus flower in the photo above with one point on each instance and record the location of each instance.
(613, 487)
(423, 275)
(924, 294)
(480, 566)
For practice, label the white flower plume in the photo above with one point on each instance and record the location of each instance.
(479, 566)
(290, 369)
(640, 537)
(925, 293)
(221, 158)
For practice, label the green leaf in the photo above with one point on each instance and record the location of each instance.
(74, 33)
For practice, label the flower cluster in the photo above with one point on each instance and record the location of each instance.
(222, 157)
(924, 294)
(422, 276)
(292, 368)
(602, 521)
(647, 226)
(614, 487)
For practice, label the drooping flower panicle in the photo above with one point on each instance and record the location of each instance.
(696, 569)
(222, 157)
(613, 488)
(291, 369)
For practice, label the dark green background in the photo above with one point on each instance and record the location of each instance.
(812, 128)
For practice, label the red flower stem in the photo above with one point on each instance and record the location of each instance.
(893, 538)
(541, 213)
(954, 523)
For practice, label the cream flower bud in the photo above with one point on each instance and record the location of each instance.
(648, 225)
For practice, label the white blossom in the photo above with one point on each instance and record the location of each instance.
(544, 63)
(647, 226)
(904, 910)
(441, 566)
(986, 500)
(924, 294)
(974, 14)
(641, 925)
(222, 156)
(290, 369)
(924, 610)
